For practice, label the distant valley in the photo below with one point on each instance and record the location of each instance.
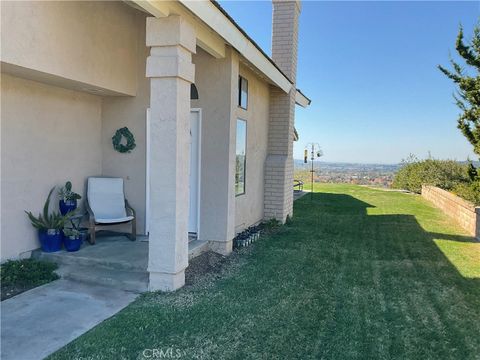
(353, 173)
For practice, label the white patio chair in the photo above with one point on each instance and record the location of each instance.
(106, 205)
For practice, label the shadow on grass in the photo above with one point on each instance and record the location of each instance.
(335, 283)
(342, 204)
(384, 237)
(390, 272)
(459, 238)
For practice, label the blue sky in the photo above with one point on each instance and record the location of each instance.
(370, 70)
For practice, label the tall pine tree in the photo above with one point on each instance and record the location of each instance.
(467, 97)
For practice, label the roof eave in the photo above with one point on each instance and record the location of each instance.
(212, 14)
(301, 99)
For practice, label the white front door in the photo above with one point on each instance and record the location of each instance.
(194, 170)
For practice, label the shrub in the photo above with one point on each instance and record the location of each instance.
(271, 226)
(20, 275)
(469, 191)
(446, 174)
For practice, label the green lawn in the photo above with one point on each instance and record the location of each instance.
(358, 274)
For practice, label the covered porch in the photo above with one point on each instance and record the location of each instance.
(170, 46)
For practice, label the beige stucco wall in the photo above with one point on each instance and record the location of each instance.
(214, 81)
(249, 206)
(45, 126)
(217, 83)
(48, 135)
(40, 120)
(118, 112)
(88, 42)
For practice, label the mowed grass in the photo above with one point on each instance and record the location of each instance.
(358, 274)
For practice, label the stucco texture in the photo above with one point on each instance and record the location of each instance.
(215, 81)
(84, 41)
(51, 134)
(120, 111)
(249, 206)
(48, 135)
(223, 214)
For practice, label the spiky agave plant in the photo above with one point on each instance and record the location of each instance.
(45, 220)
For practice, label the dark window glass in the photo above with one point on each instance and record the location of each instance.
(243, 92)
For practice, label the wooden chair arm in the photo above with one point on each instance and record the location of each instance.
(128, 207)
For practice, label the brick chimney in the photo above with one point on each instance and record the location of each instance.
(279, 164)
(285, 36)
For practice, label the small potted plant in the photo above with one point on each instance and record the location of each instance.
(68, 198)
(72, 239)
(49, 227)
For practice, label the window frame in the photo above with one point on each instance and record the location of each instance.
(245, 158)
(241, 81)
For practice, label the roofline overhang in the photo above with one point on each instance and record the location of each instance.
(301, 99)
(211, 14)
(296, 137)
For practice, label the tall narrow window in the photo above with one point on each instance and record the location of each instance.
(242, 92)
(241, 157)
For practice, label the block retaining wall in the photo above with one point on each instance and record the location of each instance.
(463, 212)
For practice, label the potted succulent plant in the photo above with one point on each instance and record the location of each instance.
(68, 198)
(49, 227)
(72, 239)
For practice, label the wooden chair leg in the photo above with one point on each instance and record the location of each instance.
(133, 237)
(92, 233)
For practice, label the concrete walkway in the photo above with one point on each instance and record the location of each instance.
(299, 194)
(42, 320)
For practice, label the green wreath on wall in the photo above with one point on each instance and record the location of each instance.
(117, 140)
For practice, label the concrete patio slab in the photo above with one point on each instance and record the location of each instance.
(42, 320)
(115, 251)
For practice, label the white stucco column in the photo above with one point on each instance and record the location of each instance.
(169, 67)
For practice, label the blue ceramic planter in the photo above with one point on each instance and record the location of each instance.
(50, 240)
(67, 206)
(72, 244)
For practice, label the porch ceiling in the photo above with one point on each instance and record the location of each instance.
(55, 80)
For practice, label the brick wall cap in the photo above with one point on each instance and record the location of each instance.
(456, 199)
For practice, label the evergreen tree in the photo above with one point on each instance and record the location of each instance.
(467, 97)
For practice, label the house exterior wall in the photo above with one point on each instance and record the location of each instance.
(51, 134)
(48, 135)
(120, 111)
(249, 206)
(88, 42)
(102, 44)
(217, 84)
(216, 81)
